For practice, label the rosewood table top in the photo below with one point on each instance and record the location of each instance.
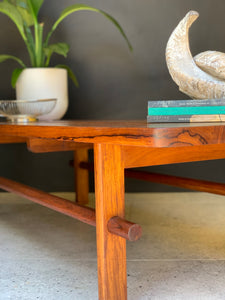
(136, 133)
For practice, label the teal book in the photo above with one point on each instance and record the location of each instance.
(192, 110)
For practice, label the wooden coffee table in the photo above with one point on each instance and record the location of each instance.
(118, 145)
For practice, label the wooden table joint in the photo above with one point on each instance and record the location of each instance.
(116, 225)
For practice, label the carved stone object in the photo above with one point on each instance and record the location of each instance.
(212, 62)
(200, 78)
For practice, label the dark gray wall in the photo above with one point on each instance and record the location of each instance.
(114, 83)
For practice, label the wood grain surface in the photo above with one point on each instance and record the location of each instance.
(136, 133)
(111, 249)
(81, 176)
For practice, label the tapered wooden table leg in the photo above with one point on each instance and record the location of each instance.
(81, 176)
(111, 249)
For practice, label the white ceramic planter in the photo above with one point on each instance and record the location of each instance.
(42, 83)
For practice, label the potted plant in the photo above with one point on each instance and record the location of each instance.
(39, 80)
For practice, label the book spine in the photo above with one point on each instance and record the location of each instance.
(198, 110)
(168, 119)
(186, 119)
(186, 103)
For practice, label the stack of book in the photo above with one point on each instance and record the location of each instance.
(207, 110)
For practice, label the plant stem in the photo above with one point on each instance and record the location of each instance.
(30, 45)
(38, 43)
(38, 34)
(48, 60)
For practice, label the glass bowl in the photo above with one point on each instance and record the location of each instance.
(23, 111)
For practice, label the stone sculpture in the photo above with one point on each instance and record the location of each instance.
(201, 77)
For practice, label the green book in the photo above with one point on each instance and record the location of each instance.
(192, 110)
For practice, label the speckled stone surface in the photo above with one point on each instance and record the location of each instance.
(181, 255)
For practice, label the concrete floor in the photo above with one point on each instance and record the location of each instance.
(45, 255)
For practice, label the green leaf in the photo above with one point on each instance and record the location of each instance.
(4, 57)
(78, 7)
(70, 74)
(12, 12)
(15, 75)
(59, 48)
(36, 5)
(28, 20)
(26, 16)
(26, 11)
(22, 3)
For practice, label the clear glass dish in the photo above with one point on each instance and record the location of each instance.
(24, 111)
